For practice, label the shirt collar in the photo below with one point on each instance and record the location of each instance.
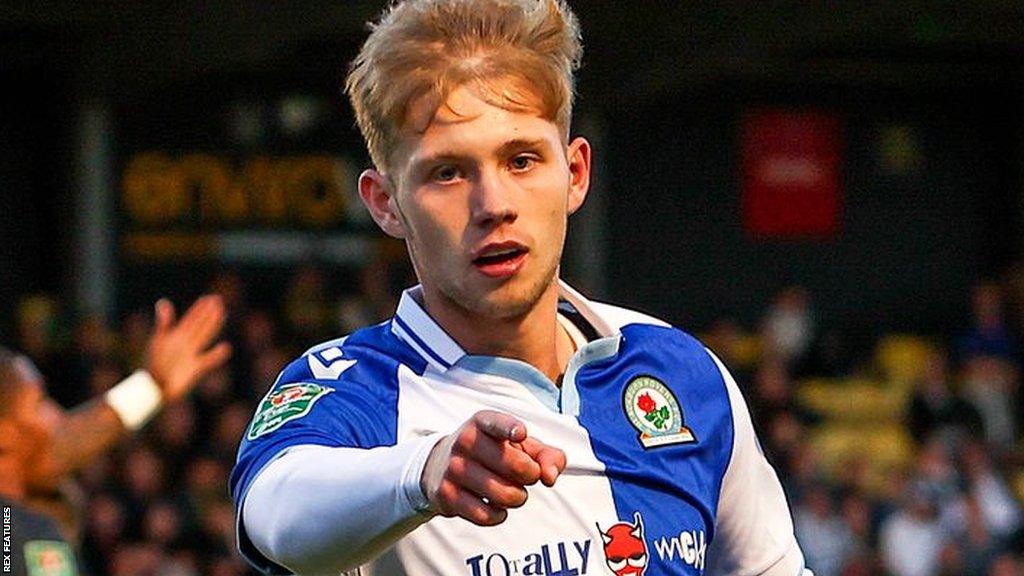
(416, 328)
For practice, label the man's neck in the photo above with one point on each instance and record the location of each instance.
(534, 337)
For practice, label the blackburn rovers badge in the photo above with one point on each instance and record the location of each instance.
(655, 413)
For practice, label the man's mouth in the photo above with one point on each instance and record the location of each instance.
(500, 260)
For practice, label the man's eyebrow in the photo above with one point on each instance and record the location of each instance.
(521, 144)
(508, 147)
(441, 156)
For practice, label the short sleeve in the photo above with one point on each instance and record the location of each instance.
(754, 533)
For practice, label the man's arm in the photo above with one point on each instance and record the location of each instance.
(178, 356)
(85, 432)
(323, 510)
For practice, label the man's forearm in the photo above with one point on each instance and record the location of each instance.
(86, 432)
(323, 510)
(92, 428)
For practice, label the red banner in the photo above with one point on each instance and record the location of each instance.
(791, 172)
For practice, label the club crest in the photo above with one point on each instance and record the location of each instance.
(655, 413)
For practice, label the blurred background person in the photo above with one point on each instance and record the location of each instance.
(41, 444)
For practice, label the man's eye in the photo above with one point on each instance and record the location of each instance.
(445, 174)
(522, 162)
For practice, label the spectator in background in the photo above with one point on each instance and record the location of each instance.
(234, 293)
(989, 334)
(912, 538)
(978, 546)
(39, 330)
(373, 302)
(106, 526)
(860, 517)
(989, 355)
(990, 383)
(773, 395)
(1013, 298)
(726, 338)
(174, 432)
(229, 285)
(779, 419)
(825, 539)
(134, 334)
(40, 444)
(93, 345)
(938, 477)
(788, 329)
(935, 410)
(996, 507)
(800, 470)
(265, 368)
(306, 305)
(145, 480)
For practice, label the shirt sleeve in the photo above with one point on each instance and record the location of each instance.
(754, 533)
(322, 483)
(317, 510)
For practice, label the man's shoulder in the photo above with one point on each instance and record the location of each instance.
(337, 393)
(619, 317)
(372, 351)
(640, 325)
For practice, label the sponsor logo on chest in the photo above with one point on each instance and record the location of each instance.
(624, 546)
(559, 559)
(689, 547)
(626, 552)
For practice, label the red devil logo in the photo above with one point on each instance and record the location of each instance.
(625, 551)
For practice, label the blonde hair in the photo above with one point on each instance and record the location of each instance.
(431, 47)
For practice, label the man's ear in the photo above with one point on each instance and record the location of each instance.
(579, 172)
(378, 196)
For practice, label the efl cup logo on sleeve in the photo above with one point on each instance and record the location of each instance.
(288, 403)
(654, 411)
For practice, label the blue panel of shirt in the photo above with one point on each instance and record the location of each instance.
(361, 411)
(675, 487)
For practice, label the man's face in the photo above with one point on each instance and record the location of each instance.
(482, 196)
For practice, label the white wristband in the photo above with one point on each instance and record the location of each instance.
(136, 399)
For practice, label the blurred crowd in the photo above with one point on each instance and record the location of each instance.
(159, 505)
(950, 504)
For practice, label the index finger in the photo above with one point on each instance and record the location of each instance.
(500, 426)
(552, 460)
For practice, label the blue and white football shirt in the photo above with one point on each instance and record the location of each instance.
(664, 474)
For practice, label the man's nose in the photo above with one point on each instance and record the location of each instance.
(493, 199)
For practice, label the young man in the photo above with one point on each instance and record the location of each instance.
(500, 423)
(40, 444)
